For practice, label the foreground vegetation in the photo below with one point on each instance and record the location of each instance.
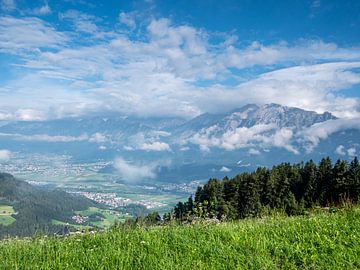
(328, 239)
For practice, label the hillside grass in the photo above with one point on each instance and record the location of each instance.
(6, 212)
(318, 241)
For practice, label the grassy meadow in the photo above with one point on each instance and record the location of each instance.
(321, 240)
(6, 212)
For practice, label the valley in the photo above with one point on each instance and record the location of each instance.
(155, 162)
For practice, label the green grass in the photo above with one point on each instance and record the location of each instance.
(110, 216)
(76, 226)
(89, 211)
(6, 212)
(318, 241)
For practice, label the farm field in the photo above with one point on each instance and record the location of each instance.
(6, 212)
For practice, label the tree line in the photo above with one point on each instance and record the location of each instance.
(285, 186)
(292, 188)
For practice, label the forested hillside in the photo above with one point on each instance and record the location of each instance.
(35, 207)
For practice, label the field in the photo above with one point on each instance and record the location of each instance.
(318, 241)
(108, 219)
(110, 216)
(5, 215)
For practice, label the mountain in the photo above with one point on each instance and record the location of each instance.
(176, 149)
(251, 115)
(35, 208)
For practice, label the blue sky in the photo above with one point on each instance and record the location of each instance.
(177, 58)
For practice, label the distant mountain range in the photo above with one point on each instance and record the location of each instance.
(180, 149)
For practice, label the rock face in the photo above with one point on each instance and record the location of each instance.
(251, 115)
(274, 116)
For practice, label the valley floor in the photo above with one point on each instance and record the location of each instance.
(320, 240)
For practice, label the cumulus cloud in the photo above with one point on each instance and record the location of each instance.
(155, 146)
(264, 136)
(340, 150)
(24, 115)
(132, 172)
(311, 87)
(351, 152)
(244, 137)
(225, 169)
(174, 70)
(4, 155)
(98, 138)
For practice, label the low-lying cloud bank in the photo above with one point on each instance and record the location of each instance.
(256, 136)
(262, 136)
(312, 135)
(95, 138)
(132, 172)
(4, 155)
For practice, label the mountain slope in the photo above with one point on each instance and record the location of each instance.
(36, 207)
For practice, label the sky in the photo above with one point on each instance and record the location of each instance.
(68, 58)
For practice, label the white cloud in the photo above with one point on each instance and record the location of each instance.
(160, 133)
(24, 115)
(244, 137)
(131, 172)
(155, 146)
(253, 151)
(225, 169)
(83, 22)
(98, 138)
(311, 87)
(8, 5)
(43, 10)
(45, 137)
(174, 70)
(4, 155)
(340, 150)
(312, 135)
(351, 152)
(30, 115)
(24, 34)
(264, 137)
(128, 19)
(282, 138)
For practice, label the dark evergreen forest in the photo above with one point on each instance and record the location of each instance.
(292, 188)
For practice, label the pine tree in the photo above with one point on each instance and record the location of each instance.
(249, 196)
(354, 180)
(309, 183)
(324, 176)
(340, 185)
